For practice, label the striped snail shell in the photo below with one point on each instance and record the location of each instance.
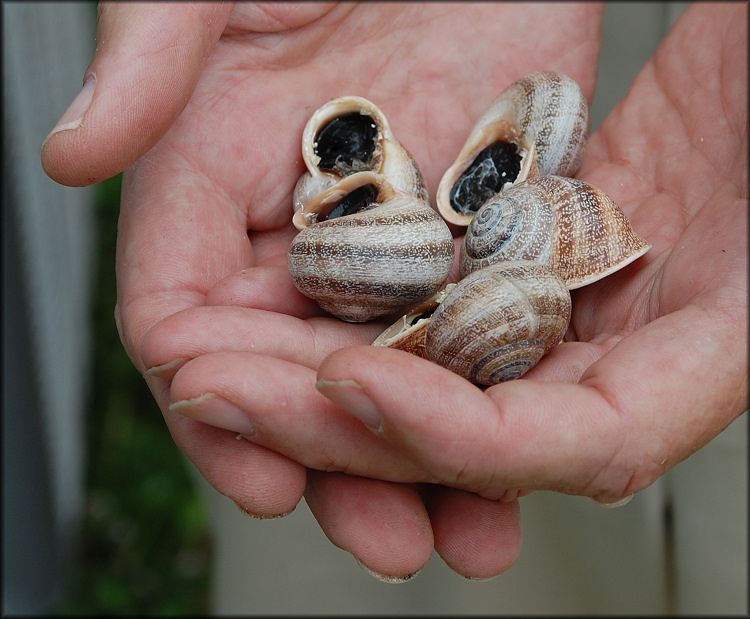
(366, 249)
(408, 332)
(351, 134)
(537, 126)
(566, 224)
(492, 326)
(498, 322)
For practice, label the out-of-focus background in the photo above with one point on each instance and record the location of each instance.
(103, 515)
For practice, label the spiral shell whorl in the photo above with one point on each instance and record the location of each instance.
(566, 224)
(509, 226)
(498, 322)
(553, 113)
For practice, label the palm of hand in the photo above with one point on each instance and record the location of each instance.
(205, 228)
(222, 177)
(228, 166)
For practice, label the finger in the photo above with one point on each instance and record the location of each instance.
(439, 419)
(202, 330)
(567, 362)
(147, 63)
(261, 482)
(476, 537)
(267, 288)
(384, 525)
(610, 435)
(242, 392)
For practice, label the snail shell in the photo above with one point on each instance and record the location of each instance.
(492, 326)
(408, 332)
(498, 322)
(351, 134)
(537, 126)
(566, 224)
(366, 249)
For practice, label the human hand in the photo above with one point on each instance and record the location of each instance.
(205, 226)
(655, 365)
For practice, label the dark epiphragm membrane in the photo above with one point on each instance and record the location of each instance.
(358, 200)
(346, 144)
(494, 166)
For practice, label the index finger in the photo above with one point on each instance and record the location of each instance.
(611, 434)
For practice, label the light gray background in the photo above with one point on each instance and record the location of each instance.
(47, 259)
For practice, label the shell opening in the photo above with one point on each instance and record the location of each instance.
(409, 321)
(416, 318)
(407, 333)
(347, 144)
(495, 166)
(360, 199)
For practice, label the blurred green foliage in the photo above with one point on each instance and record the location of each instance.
(145, 544)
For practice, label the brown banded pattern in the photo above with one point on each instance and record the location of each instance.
(544, 115)
(569, 225)
(395, 252)
(498, 322)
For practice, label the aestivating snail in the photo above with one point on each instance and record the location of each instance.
(537, 126)
(351, 134)
(492, 326)
(369, 244)
(366, 249)
(566, 224)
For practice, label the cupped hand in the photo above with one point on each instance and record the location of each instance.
(655, 363)
(206, 105)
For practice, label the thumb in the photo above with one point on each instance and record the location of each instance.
(147, 63)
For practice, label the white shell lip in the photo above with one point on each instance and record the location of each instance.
(572, 284)
(390, 158)
(479, 139)
(321, 204)
(331, 110)
(544, 114)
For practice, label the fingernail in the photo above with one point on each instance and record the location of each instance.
(215, 411)
(262, 516)
(481, 578)
(394, 580)
(73, 116)
(351, 396)
(619, 503)
(167, 370)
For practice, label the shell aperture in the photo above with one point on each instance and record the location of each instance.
(494, 166)
(360, 199)
(346, 144)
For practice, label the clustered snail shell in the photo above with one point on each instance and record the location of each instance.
(492, 326)
(537, 126)
(370, 244)
(566, 224)
(351, 134)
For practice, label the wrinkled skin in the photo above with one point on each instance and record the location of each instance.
(655, 363)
